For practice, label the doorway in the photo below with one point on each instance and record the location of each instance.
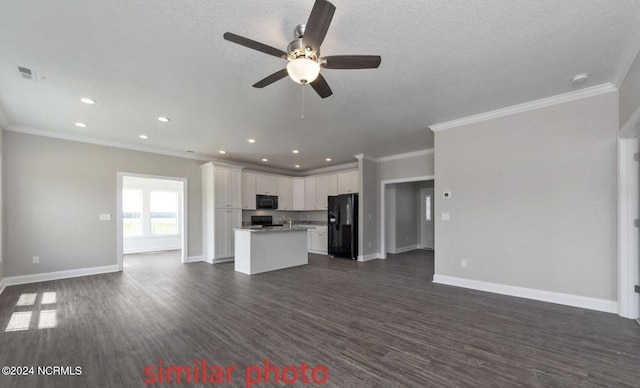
(152, 216)
(391, 233)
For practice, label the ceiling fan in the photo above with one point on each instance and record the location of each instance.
(303, 53)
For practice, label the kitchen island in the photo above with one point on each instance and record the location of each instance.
(260, 250)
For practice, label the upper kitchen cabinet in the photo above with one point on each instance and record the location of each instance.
(298, 194)
(348, 182)
(310, 193)
(248, 191)
(266, 184)
(284, 186)
(225, 185)
(326, 185)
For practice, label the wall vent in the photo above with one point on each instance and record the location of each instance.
(27, 73)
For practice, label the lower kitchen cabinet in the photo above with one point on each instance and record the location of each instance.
(225, 222)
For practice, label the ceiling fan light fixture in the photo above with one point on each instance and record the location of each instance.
(303, 70)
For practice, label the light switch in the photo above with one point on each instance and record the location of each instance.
(104, 217)
(445, 216)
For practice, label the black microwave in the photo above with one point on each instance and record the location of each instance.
(266, 202)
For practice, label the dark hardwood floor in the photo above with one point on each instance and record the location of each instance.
(374, 324)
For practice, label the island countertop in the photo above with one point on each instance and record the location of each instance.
(273, 229)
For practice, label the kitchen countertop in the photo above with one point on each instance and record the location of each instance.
(273, 229)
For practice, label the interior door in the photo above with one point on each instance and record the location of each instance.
(426, 216)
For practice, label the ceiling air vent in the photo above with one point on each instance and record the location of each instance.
(27, 73)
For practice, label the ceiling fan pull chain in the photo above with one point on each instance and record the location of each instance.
(302, 108)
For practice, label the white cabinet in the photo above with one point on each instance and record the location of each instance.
(298, 194)
(326, 185)
(249, 191)
(284, 190)
(266, 184)
(221, 203)
(310, 193)
(348, 182)
(227, 188)
(225, 222)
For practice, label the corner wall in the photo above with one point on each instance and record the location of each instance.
(1, 210)
(533, 203)
(369, 203)
(54, 191)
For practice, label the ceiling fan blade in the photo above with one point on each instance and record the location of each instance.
(318, 24)
(278, 75)
(252, 44)
(352, 61)
(321, 87)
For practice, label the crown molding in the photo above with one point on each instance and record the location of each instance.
(528, 106)
(339, 167)
(628, 57)
(365, 157)
(406, 155)
(108, 143)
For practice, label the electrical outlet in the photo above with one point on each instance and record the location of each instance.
(463, 263)
(36, 259)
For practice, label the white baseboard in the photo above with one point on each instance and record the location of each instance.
(608, 306)
(317, 252)
(194, 259)
(72, 273)
(405, 249)
(2, 286)
(225, 260)
(370, 256)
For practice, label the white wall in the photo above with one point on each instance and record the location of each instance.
(533, 199)
(54, 191)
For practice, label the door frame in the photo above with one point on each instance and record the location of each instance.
(183, 220)
(383, 248)
(628, 234)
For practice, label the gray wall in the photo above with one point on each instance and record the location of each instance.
(630, 92)
(420, 165)
(533, 199)
(406, 215)
(1, 211)
(54, 191)
(369, 205)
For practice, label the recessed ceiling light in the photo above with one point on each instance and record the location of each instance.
(579, 78)
(143, 137)
(297, 166)
(190, 151)
(164, 119)
(265, 159)
(295, 151)
(88, 100)
(222, 152)
(328, 159)
(81, 125)
(251, 140)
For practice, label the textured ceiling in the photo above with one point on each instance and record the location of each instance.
(441, 60)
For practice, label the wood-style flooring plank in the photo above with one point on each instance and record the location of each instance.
(373, 324)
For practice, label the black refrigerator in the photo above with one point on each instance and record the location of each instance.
(343, 226)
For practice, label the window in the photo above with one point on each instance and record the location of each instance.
(427, 207)
(164, 212)
(132, 213)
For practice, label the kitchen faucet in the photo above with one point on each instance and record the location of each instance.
(285, 220)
